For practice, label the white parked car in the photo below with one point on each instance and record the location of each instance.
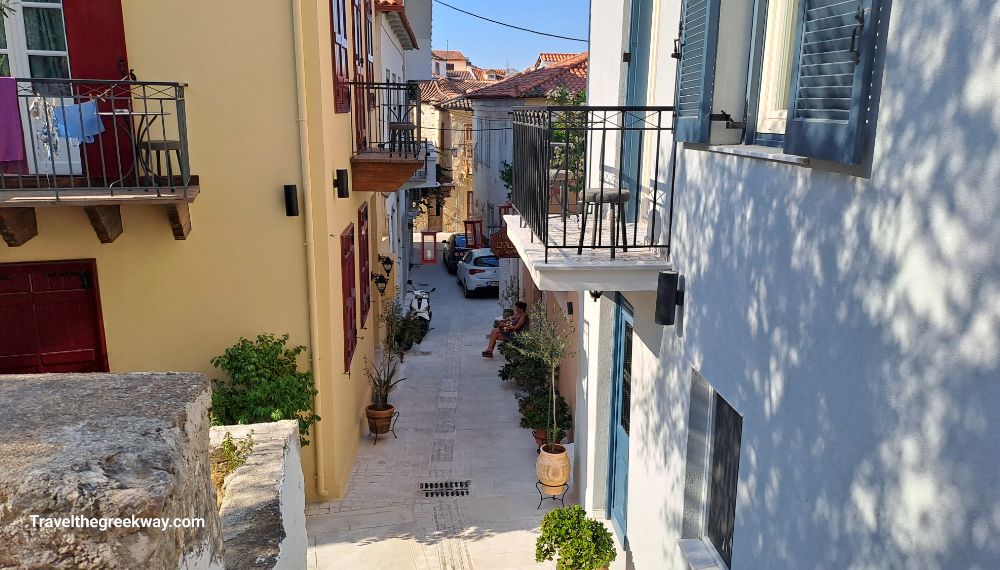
(479, 269)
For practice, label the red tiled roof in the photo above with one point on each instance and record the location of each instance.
(389, 2)
(449, 55)
(439, 90)
(570, 73)
(545, 57)
(395, 9)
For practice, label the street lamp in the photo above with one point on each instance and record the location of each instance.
(386, 263)
(380, 283)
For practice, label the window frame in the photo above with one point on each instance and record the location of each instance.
(755, 79)
(701, 466)
(349, 294)
(16, 34)
(341, 56)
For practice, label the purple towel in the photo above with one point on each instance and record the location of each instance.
(11, 135)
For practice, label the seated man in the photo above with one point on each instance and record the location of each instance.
(508, 326)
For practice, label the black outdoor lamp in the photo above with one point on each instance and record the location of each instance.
(386, 263)
(380, 282)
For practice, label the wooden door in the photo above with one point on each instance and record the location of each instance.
(50, 318)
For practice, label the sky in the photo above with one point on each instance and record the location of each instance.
(493, 46)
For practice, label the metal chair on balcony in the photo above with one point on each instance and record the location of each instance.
(165, 168)
(616, 199)
(402, 138)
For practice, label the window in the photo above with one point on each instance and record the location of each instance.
(369, 42)
(364, 261)
(812, 64)
(486, 261)
(776, 66)
(33, 41)
(712, 469)
(450, 67)
(349, 295)
(468, 204)
(341, 73)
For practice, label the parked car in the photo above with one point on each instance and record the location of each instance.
(478, 270)
(454, 250)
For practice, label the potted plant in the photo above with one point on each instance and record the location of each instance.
(382, 379)
(401, 331)
(577, 541)
(535, 413)
(548, 340)
(526, 371)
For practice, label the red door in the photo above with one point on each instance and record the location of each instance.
(50, 318)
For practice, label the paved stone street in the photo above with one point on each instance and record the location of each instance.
(458, 421)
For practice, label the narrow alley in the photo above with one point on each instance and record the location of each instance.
(458, 422)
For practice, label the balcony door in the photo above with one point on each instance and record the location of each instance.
(621, 401)
(636, 81)
(33, 45)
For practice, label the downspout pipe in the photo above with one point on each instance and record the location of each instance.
(306, 173)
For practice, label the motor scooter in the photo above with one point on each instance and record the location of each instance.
(419, 307)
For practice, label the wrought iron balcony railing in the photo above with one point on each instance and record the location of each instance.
(386, 119)
(589, 178)
(87, 138)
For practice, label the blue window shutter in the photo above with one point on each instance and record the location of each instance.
(696, 72)
(831, 79)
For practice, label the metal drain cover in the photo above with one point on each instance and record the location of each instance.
(446, 488)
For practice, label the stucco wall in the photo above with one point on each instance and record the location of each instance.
(175, 304)
(853, 321)
(391, 54)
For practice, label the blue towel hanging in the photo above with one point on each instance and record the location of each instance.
(79, 121)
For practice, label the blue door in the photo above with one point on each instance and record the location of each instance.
(637, 77)
(621, 391)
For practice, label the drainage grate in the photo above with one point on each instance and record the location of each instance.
(446, 488)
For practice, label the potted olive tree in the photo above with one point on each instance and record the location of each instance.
(382, 378)
(579, 542)
(548, 340)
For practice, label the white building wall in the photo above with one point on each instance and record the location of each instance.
(853, 321)
(493, 143)
(418, 61)
(392, 58)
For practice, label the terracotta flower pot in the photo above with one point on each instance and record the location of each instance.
(539, 435)
(379, 417)
(552, 468)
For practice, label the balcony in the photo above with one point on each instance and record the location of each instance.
(593, 208)
(388, 147)
(96, 145)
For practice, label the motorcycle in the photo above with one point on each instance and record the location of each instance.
(419, 307)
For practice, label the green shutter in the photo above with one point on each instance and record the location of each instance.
(831, 79)
(696, 72)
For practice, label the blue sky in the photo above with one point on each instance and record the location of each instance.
(491, 45)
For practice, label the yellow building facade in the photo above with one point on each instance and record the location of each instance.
(260, 114)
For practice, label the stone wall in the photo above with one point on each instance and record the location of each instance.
(79, 450)
(263, 505)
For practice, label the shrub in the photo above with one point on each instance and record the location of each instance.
(402, 330)
(518, 365)
(537, 414)
(264, 385)
(382, 377)
(581, 543)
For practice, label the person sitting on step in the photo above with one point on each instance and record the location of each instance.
(508, 327)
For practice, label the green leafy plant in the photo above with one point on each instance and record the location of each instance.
(401, 330)
(547, 340)
(535, 412)
(264, 385)
(382, 377)
(517, 364)
(507, 177)
(234, 455)
(579, 542)
(5, 9)
(569, 127)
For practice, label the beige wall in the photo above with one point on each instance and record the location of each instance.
(172, 305)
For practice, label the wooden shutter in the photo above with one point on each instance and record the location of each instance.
(369, 43)
(341, 65)
(349, 293)
(364, 263)
(831, 79)
(696, 72)
(723, 478)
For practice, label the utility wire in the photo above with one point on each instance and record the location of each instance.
(511, 25)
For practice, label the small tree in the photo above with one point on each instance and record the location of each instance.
(547, 340)
(264, 385)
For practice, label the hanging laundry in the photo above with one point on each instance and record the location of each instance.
(79, 122)
(12, 155)
(48, 136)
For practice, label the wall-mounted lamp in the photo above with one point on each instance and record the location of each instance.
(340, 183)
(569, 307)
(291, 200)
(380, 282)
(669, 296)
(596, 295)
(386, 262)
